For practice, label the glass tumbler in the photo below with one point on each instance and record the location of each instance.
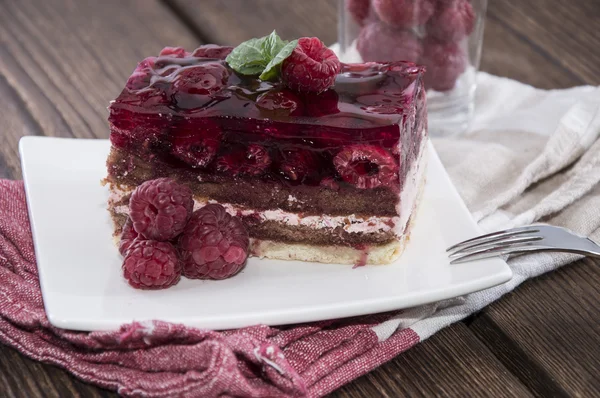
(443, 35)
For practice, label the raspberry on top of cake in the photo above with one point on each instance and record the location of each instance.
(320, 160)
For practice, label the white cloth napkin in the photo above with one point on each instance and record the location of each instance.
(530, 156)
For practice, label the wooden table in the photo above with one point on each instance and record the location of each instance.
(62, 61)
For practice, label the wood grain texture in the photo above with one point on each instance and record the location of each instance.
(233, 21)
(506, 54)
(548, 331)
(565, 31)
(452, 363)
(21, 377)
(68, 59)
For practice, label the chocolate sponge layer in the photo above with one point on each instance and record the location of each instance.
(128, 169)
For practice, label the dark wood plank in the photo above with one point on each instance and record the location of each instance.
(68, 59)
(39, 380)
(233, 21)
(452, 363)
(506, 54)
(548, 331)
(565, 31)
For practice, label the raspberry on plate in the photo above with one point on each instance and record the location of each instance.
(445, 62)
(453, 21)
(160, 209)
(214, 245)
(379, 42)
(312, 67)
(366, 166)
(128, 236)
(151, 265)
(404, 13)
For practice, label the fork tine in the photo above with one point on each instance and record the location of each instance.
(496, 251)
(494, 235)
(497, 242)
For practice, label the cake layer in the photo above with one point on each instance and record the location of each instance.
(127, 169)
(382, 254)
(278, 225)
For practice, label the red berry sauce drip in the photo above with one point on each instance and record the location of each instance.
(185, 111)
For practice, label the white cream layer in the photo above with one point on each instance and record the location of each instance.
(350, 223)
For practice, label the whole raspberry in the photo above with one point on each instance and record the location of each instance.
(175, 52)
(214, 245)
(379, 42)
(252, 161)
(366, 166)
(128, 237)
(151, 265)
(453, 21)
(444, 62)
(205, 79)
(404, 13)
(359, 9)
(212, 51)
(280, 103)
(312, 67)
(198, 146)
(159, 209)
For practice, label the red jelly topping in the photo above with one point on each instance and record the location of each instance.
(196, 115)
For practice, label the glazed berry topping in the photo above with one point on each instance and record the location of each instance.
(359, 9)
(214, 245)
(175, 52)
(205, 79)
(198, 146)
(128, 236)
(325, 103)
(392, 45)
(151, 265)
(366, 166)
(453, 21)
(280, 103)
(312, 67)
(404, 13)
(445, 62)
(159, 209)
(140, 78)
(212, 51)
(298, 165)
(251, 161)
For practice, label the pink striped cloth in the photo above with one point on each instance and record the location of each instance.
(542, 132)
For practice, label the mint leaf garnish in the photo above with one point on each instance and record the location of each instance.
(271, 45)
(262, 56)
(273, 68)
(247, 58)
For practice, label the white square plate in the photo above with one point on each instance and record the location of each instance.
(80, 267)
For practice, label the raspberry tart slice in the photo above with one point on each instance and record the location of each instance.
(321, 161)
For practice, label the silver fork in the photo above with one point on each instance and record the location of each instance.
(520, 240)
